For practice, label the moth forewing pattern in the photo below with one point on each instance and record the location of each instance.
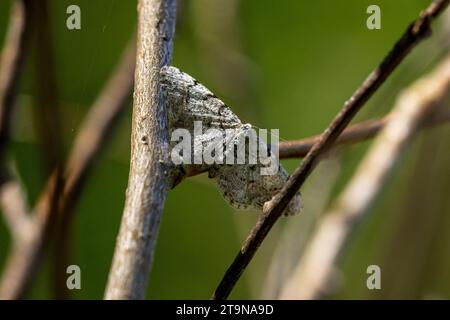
(240, 182)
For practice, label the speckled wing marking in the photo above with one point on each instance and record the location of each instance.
(241, 185)
(191, 101)
(244, 187)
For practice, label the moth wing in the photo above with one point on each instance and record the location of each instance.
(243, 187)
(210, 140)
(190, 101)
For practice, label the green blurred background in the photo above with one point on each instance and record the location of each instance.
(280, 64)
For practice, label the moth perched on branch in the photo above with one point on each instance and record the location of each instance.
(247, 171)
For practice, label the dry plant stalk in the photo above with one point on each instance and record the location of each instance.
(416, 32)
(12, 59)
(25, 256)
(314, 272)
(14, 207)
(30, 232)
(148, 181)
(11, 63)
(354, 134)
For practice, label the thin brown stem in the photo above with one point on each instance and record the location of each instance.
(99, 124)
(24, 260)
(15, 210)
(313, 274)
(416, 32)
(92, 137)
(46, 108)
(47, 119)
(11, 65)
(354, 134)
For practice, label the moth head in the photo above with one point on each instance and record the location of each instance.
(295, 206)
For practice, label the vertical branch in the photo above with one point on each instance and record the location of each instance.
(11, 65)
(24, 259)
(46, 109)
(13, 204)
(90, 140)
(147, 183)
(47, 117)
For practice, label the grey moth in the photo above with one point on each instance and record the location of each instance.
(241, 183)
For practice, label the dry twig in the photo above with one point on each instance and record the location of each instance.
(313, 273)
(12, 59)
(147, 183)
(12, 197)
(14, 207)
(11, 65)
(24, 259)
(353, 134)
(415, 33)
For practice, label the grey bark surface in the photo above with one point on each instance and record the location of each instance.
(149, 166)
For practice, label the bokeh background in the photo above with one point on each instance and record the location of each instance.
(280, 64)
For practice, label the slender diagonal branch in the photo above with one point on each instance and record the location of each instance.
(99, 124)
(14, 207)
(314, 271)
(416, 32)
(12, 59)
(46, 107)
(354, 134)
(91, 139)
(24, 259)
(147, 182)
(11, 66)
(47, 116)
